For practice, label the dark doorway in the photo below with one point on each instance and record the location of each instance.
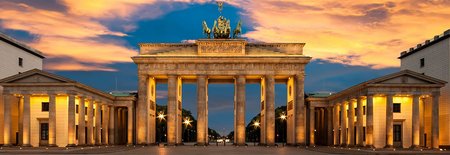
(398, 135)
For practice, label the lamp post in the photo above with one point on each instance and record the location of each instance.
(256, 126)
(283, 118)
(187, 122)
(161, 117)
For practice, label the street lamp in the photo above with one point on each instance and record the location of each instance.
(282, 117)
(256, 125)
(187, 121)
(161, 117)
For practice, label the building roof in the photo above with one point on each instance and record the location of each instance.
(387, 81)
(36, 77)
(20, 45)
(427, 43)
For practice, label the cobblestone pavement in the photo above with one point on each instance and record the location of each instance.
(213, 150)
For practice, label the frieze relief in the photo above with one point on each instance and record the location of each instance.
(221, 47)
(220, 67)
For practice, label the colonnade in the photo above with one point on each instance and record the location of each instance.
(295, 119)
(343, 121)
(99, 122)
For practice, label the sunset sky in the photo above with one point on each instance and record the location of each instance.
(91, 41)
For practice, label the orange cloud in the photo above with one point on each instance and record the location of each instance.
(63, 35)
(368, 33)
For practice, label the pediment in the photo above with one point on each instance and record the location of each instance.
(406, 77)
(35, 76)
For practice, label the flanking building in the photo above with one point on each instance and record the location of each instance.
(392, 111)
(407, 109)
(43, 109)
(16, 57)
(432, 58)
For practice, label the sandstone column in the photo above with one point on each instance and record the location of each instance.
(422, 121)
(81, 122)
(336, 124)
(359, 122)
(52, 120)
(263, 116)
(26, 120)
(143, 108)
(202, 133)
(415, 122)
(312, 120)
(343, 124)
(369, 121)
(172, 110)
(435, 121)
(105, 124)
(111, 125)
(7, 119)
(270, 112)
(389, 121)
(240, 110)
(98, 126)
(351, 124)
(330, 126)
(90, 122)
(130, 125)
(299, 110)
(71, 120)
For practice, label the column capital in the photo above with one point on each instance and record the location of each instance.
(436, 93)
(269, 76)
(239, 76)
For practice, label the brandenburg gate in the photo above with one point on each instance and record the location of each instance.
(223, 59)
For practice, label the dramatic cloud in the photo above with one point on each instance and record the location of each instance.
(366, 33)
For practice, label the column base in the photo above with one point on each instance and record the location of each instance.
(81, 145)
(7, 145)
(52, 145)
(370, 146)
(71, 145)
(389, 147)
(350, 145)
(343, 145)
(415, 147)
(359, 145)
(26, 145)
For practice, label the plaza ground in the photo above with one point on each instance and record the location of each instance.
(189, 149)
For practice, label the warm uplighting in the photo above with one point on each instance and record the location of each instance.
(161, 116)
(187, 121)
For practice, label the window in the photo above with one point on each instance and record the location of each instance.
(397, 108)
(76, 131)
(85, 110)
(422, 62)
(45, 106)
(44, 131)
(20, 62)
(364, 133)
(76, 108)
(364, 110)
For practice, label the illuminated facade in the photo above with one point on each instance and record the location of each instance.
(399, 110)
(225, 61)
(43, 109)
